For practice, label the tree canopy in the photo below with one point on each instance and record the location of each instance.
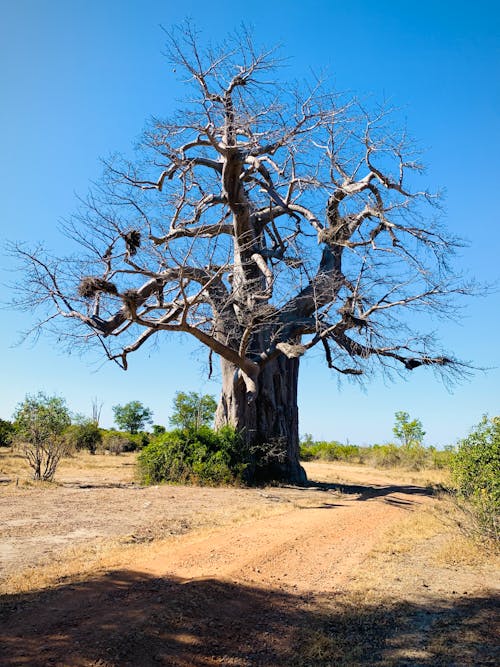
(133, 416)
(193, 410)
(408, 431)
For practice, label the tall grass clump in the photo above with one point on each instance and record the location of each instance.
(194, 456)
(476, 475)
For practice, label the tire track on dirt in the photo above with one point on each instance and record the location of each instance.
(307, 550)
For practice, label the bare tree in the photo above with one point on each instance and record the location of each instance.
(264, 220)
(97, 404)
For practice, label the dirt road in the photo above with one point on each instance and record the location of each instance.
(309, 550)
(316, 582)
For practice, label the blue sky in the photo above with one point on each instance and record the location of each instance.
(80, 78)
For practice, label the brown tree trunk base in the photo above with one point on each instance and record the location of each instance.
(268, 423)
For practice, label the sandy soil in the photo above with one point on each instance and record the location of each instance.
(356, 569)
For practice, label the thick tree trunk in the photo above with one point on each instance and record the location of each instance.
(269, 423)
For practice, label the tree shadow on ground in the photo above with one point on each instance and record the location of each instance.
(101, 485)
(127, 618)
(370, 491)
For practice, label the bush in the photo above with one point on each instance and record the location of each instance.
(7, 431)
(118, 442)
(40, 422)
(86, 435)
(200, 456)
(442, 458)
(476, 473)
(384, 456)
(329, 451)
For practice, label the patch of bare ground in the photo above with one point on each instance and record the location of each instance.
(363, 567)
(96, 517)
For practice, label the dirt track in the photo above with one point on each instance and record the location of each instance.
(290, 587)
(307, 550)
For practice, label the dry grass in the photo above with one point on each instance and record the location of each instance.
(110, 468)
(80, 466)
(418, 554)
(460, 550)
(383, 631)
(81, 561)
(13, 466)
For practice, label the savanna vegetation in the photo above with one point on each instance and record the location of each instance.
(194, 456)
(112, 519)
(43, 431)
(388, 455)
(409, 453)
(40, 422)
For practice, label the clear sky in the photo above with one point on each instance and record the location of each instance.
(79, 78)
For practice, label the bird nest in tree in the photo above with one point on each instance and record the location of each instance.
(91, 285)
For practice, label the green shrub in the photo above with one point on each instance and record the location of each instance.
(329, 451)
(118, 442)
(7, 431)
(411, 455)
(441, 458)
(200, 456)
(86, 435)
(415, 456)
(383, 456)
(476, 473)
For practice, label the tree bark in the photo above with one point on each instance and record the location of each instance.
(268, 422)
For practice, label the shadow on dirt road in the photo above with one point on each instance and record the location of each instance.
(370, 491)
(127, 618)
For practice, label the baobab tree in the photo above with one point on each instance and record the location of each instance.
(264, 220)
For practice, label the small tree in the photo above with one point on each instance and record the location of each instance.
(40, 421)
(193, 410)
(409, 432)
(133, 416)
